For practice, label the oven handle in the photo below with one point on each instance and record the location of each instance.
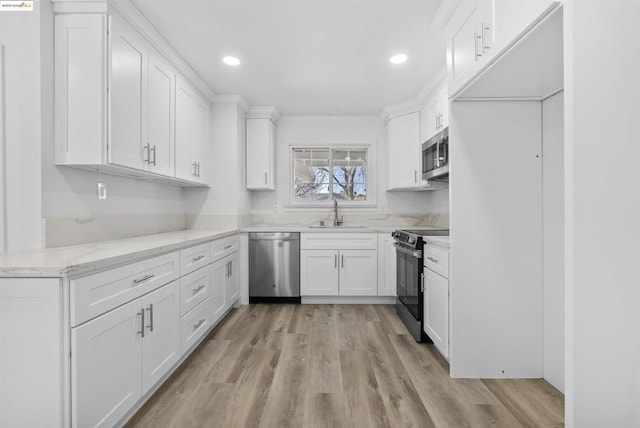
(414, 253)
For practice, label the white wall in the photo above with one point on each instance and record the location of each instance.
(602, 170)
(553, 240)
(306, 130)
(22, 132)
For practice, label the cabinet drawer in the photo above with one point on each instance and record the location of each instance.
(437, 259)
(223, 247)
(194, 288)
(98, 293)
(193, 258)
(338, 241)
(195, 324)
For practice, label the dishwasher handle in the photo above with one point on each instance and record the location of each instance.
(270, 237)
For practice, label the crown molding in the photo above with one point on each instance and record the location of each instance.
(237, 99)
(264, 112)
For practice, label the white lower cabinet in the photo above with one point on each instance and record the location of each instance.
(338, 272)
(319, 275)
(436, 296)
(195, 324)
(118, 356)
(436, 310)
(218, 272)
(386, 265)
(232, 279)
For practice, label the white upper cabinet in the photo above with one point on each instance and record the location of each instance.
(127, 94)
(435, 116)
(159, 146)
(404, 151)
(479, 30)
(116, 103)
(192, 134)
(261, 134)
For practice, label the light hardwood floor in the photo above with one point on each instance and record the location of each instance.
(334, 366)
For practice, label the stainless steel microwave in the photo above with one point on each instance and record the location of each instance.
(435, 157)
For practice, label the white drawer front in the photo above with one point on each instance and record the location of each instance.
(338, 241)
(98, 293)
(194, 288)
(223, 247)
(437, 259)
(193, 258)
(195, 324)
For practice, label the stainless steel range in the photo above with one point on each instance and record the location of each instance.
(409, 283)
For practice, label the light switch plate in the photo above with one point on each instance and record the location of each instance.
(102, 191)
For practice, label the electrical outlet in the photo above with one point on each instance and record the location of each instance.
(102, 191)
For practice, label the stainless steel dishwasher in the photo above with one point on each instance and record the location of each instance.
(274, 267)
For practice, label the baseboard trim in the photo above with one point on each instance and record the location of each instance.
(348, 300)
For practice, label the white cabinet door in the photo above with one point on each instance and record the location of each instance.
(404, 151)
(260, 154)
(358, 272)
(469, 36)
(127, 94)
(106, 367)
(192, 134)
(386, 265)
(436, 310)
(201, 143)
(185, 102)
(319, 273)
(158, 150)
(161, 343)
(218, 273)
(232, 282)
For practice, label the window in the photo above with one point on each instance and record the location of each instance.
(325, 174)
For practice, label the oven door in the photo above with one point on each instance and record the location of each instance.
(409, 266)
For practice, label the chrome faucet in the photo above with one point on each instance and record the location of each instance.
(336, 221)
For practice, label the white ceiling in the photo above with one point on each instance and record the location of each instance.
(306, 57)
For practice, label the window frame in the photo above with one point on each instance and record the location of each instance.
(370, 202)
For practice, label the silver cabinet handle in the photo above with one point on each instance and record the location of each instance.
(415, 176)
(195, 169)
(226, 273)
(153, 149)
(335, 260)
(475, 44)
(422, 282)
(231, 268)
(431, 259)
(146, 153)
(198, 324)
(200, 287)
(484, 30)
(226, 247)
(141, 332)
(265, 178)
(150, 326)
(143, 279)
(342, 260)
(195, 259)
(198, 170)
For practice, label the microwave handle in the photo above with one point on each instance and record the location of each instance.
(437, 158)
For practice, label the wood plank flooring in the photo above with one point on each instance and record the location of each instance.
(334, 366)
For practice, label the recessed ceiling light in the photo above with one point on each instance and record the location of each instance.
(231, 60)
(398, 59)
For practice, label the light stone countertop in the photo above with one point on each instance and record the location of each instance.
(86, 258)
(332, 229)
(440, 241)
